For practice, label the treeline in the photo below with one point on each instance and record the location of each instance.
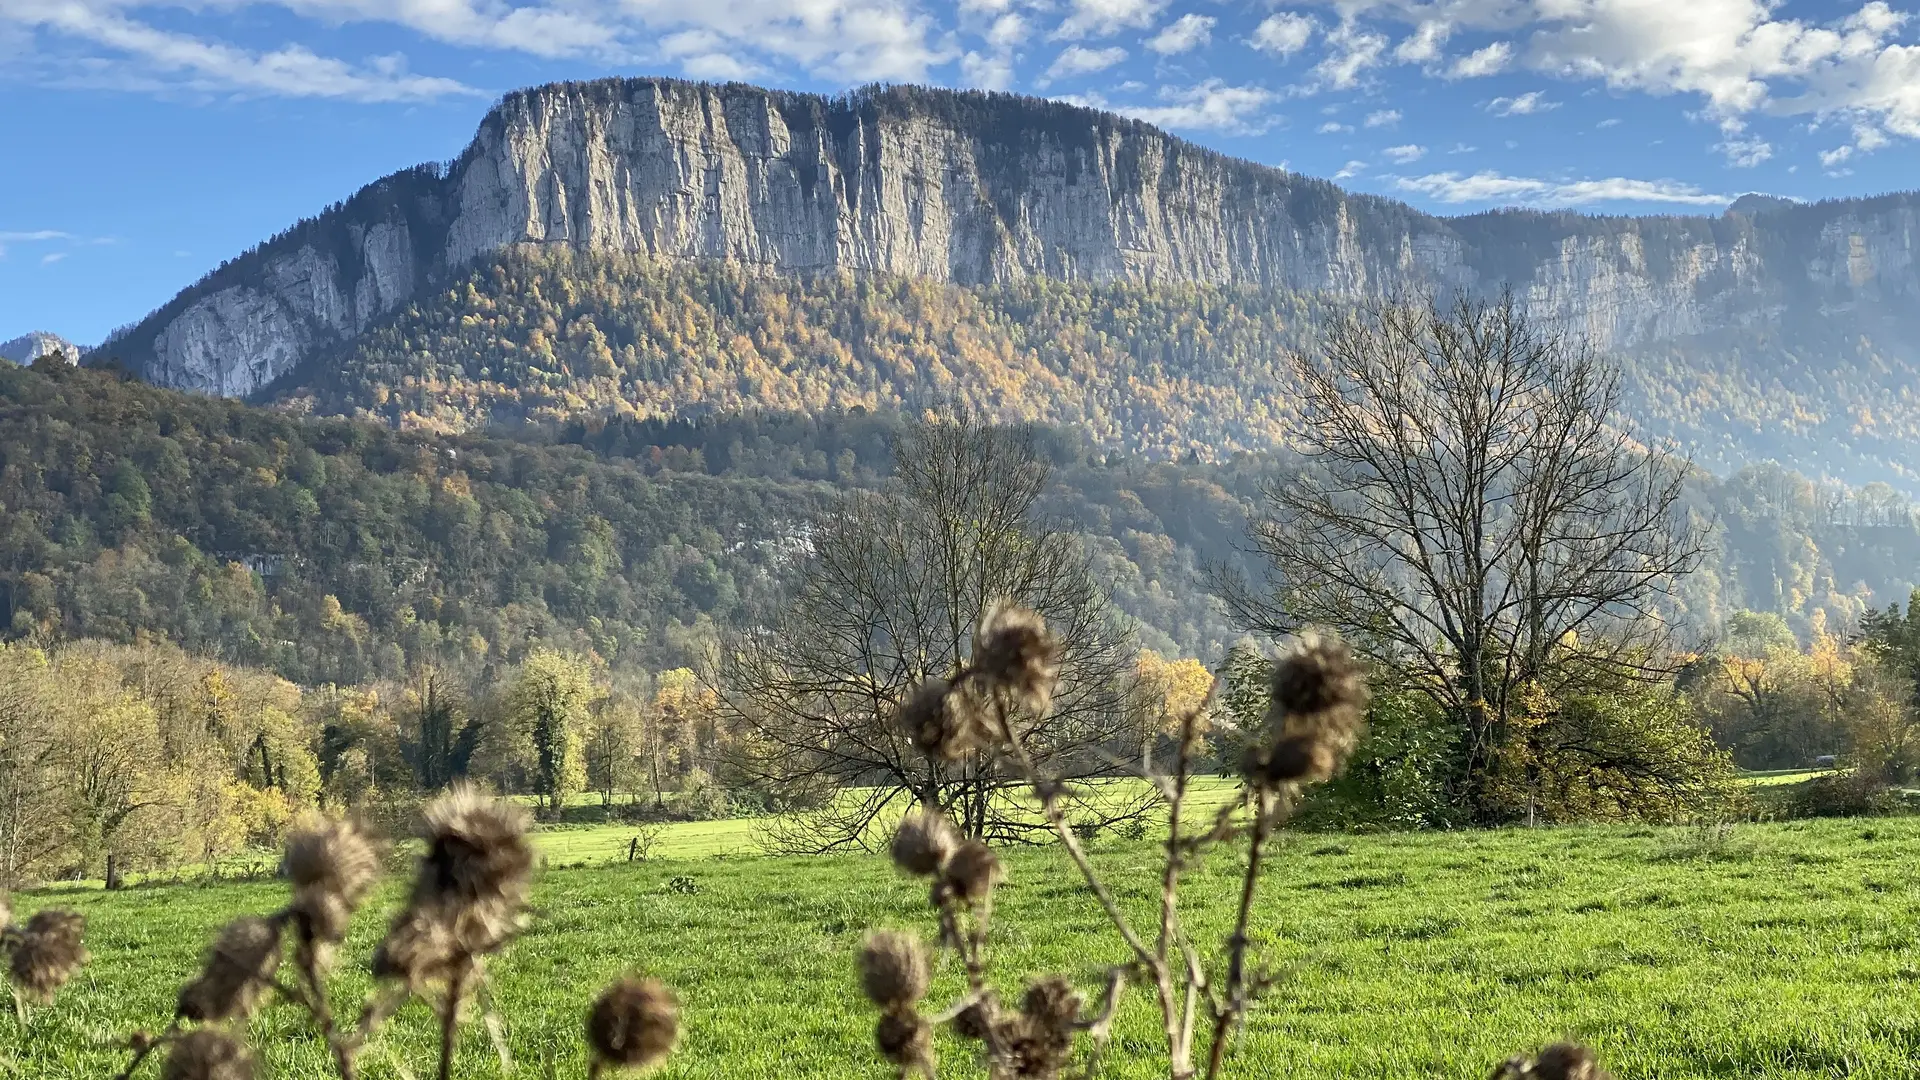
(123, 759)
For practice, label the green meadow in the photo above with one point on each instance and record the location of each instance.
(1760, 950)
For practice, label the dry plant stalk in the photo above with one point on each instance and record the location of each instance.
(468, 901)
(1319, 707)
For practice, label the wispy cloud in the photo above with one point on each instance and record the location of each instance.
(1185, 34)
(1533, 101)
(1212, 105)
(1404, 155)
(1491, 187)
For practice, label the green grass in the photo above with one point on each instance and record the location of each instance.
(585, 844)
(1780, 950)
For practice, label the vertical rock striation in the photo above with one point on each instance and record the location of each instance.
(975, 188)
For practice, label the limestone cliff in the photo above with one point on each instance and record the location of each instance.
(978, 188)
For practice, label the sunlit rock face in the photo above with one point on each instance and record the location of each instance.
(975, 188)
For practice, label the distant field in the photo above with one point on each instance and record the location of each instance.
(1770, 951)
(585, 845)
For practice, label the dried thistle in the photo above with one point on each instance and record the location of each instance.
(419, 948)
(972, 872)
(331, 865)
(1560, 1061)
(1013, 648)
(941, 721)
(208, 1054)
(238, 970)
(924, 842)
(477, 852)
(1318, 713)
(47, 951)
(906, 1039)
(470, 895)
(1053, 1002)
(633, 1024)
(976, 1020)
(893, 969)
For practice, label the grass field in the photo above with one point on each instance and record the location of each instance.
(1784, 950)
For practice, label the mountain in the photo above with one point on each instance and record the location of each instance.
(31, 346)
(1808, 311)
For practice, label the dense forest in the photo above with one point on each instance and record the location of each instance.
(1168, 371)
(337, 551)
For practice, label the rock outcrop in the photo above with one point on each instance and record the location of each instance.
(975, 188)
(29, 347)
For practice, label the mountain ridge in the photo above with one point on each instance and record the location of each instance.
(977, 188)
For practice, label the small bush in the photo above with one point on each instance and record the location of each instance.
(1842, 794)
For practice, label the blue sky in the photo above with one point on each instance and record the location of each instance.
(143, 142)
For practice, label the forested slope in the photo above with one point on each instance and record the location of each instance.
(1168, 370)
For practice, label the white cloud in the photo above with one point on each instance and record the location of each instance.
(1383, 118)
(1211, 106)
(1491, 60)
(1079, 60)
(1611, 121)
(1185, 34)
(1351, 51)
(1350, 170)
(1283, 34)
(1533, 101)
(1332, 127)
(1742, 149)
(52, 257)
(146, 58)
(987, 71)
(1104, 18)
(1835, 156)
(1491, 187)
(1424, 44)
(1009, 31)
(1404, 155)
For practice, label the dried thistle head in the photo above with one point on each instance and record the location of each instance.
(419, 948)
(1013, 648)
(634, 1023)
(238, 969)
(477, 852)
(1560, 1061)
(924, 842)
(331, 864)
(972, 872)
(1030, 1050)
(47, 952)
(1052, 1002)
(976, 1020)
(941, 721)
(893, 968)
(208, 1054)
(906, 1039)
(1318, 713)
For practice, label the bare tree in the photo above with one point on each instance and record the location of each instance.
(1474, 515)
(889, 597)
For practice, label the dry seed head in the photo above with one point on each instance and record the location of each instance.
(1013, 647)
(941, 721)
(1567, 1061)
(634, 1024)
(238, 970)
(1030, 1050)
(208, 1054)
(477, 852)
(1318, 712)
(1053, 1003)
(47, 952)
(331, 866)
(976, 1020)
(6, 911)
(972, 871)
(924, 842)
(418, 948)
(906, 1039)
(893, 968)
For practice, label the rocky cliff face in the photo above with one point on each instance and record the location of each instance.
(29, 347)
(976, 188)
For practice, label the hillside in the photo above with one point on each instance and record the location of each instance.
(1170, 371)
(332, 550)
(1775, 330)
